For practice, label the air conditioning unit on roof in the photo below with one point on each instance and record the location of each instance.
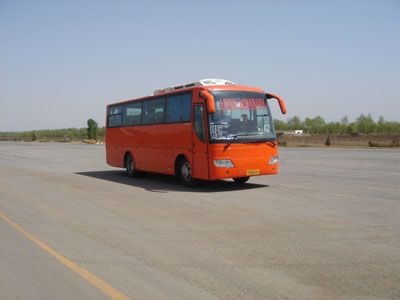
(202, 82)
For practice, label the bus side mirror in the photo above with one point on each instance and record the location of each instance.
(209, 101)
(282, 104)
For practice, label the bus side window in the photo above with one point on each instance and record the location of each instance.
(132, 114)
(115, 116)
(153, 111)
(178, 108)
(173, 108)
(186, 105)
(199, 122)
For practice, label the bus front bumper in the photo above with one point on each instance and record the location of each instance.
(242, 171)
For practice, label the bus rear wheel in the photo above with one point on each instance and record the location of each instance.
(184, 173)
(241, 180)
(130, 166)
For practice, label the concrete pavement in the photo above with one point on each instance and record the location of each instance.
(326, 227)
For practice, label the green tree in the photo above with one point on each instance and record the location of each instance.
(294, 123)
(333, 128)
(314, 125)
(279, 125)
(341, 127)
(352, 128)
(344, 120)
(381, 124)
(365, 123)
(34, 138)
(92, 129)
(308, 124)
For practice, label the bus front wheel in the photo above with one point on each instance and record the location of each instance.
(240, 180)
(130, 166)
(184, 173)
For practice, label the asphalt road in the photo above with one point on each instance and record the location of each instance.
(73, 228)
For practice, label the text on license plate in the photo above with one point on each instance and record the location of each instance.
(253, 172)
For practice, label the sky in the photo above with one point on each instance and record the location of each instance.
(62, 62)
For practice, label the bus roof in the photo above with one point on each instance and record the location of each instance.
(218, 84)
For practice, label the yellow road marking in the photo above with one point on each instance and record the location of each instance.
(85, 274)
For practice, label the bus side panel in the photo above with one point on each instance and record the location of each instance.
(128, 139)
(154, 147)
(160, 143)
(114, 150)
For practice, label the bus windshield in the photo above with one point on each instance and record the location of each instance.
(240, 116)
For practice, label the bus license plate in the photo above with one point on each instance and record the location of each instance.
(253, 172)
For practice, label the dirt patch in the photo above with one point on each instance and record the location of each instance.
(340, 141)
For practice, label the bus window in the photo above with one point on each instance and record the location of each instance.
(240, 116)
(186, 105)
(174, 109)
(115, 116)
(178, 108)
(199, 122)
(132, 114)
(153, 111)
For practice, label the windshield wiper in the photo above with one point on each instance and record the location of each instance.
(235, 136)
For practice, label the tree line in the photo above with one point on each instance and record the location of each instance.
(91, 132)
(364, 124)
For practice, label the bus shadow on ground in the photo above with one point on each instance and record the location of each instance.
(160, 183)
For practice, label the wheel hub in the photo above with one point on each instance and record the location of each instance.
(185, 171)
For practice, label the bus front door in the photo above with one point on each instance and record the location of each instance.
(200, 155)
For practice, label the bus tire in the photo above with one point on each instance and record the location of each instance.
(130, 166)
(241, 180)
(184, 172)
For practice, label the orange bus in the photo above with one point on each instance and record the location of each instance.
(210, 129)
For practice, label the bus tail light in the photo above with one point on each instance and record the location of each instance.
(223, 163)
(273, 160)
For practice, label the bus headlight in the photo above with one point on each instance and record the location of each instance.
(223, 163)
(273, 160)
